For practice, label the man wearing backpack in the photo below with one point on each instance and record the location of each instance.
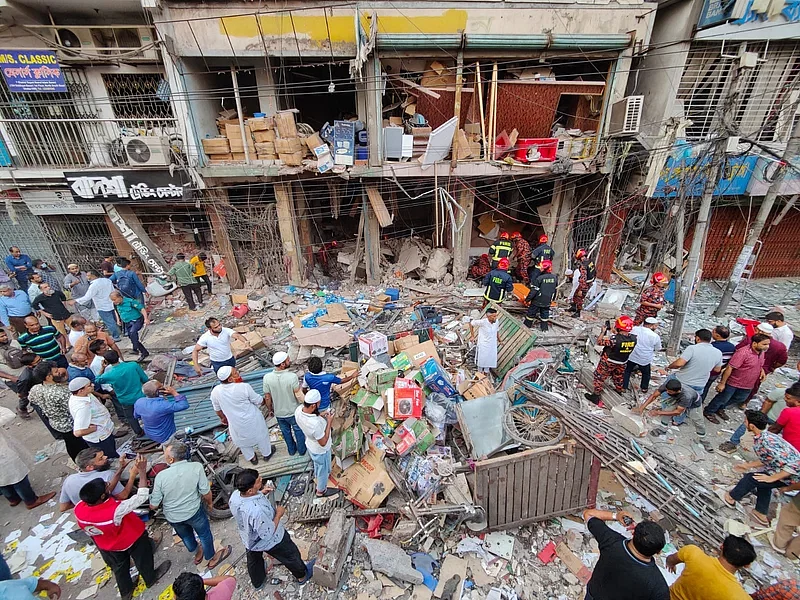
(128, 281)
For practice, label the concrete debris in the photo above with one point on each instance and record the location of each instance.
(392, 561)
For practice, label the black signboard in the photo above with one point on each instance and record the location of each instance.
(135, 185)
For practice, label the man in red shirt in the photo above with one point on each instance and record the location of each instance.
(118, 533)
(788, 422)
(775, 356)
(744, 371)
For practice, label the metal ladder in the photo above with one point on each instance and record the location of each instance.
(744, 280)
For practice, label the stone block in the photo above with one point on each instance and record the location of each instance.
(334, 549)
(631, 422)
(391, 560)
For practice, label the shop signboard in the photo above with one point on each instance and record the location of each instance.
(35, 71)
(134, 185)
(691, 171)
(715, 12)
(138, 239)
(47, 202)
(765, 172)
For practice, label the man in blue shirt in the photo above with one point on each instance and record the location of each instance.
(316, 379)
(157, 412)
(79, 366)
(20, 266)
(28, 588)
(14, 307)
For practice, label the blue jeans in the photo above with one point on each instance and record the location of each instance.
(763, 491)
(5, 572)
(109, 319)
(739, 433)
(728, 396)
(21, 490)
(132, 329)
(296, 443)
(198, 523)
(231, 362)
(322, 469)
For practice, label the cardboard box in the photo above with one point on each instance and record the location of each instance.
(477, 387)
(373, 343)
(239, 297)
(314, 141)
(288, 145)
(402, 362)
(264, 136)
(285, 123)
(220, 157)
(414, 433)
(422, 352)
(238, 146)
(366, 483)
(239, 156)
(404, 400)
(295, 159)
(405, 342)
(261, 123)
(380, 381)
(265, 148)
(437, 379)
(233, 131)
(366, 399)
(216, 146)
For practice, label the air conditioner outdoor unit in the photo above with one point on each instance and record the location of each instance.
(110, 41)
(626, 116)
(147, 151)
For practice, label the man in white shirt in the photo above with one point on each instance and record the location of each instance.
(99, 293)
(76, 331)
(218, 342)
(317, 430)
(781, 331)
(487, 332)
(91, 420)
(648, 342)
(238, 406)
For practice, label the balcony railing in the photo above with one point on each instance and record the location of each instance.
(84, 143)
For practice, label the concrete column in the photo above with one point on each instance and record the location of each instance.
(304, 229)
(267, 98)
(372, 244)
(181, 108)
(548, 213)
(371, 91)
(216, 210)
(288, 230)
(563, 227)
(466, 200)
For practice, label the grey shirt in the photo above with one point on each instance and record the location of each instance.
(700, 359)
(71, 488)
(281, 385)
(255, 519)
(180, 488)
(82, 286)
(688, 398)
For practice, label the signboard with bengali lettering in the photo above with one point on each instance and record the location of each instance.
(27, 71)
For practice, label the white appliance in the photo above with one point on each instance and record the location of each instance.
(147, 151)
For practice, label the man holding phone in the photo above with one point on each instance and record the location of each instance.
(317, 430)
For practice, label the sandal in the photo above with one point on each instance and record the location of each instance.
(756, 516)
(219, 557)
(198, 556)
(725, 500)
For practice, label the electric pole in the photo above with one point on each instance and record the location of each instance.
(683, 293)
(789, 155)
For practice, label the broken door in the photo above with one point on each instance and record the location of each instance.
(535, 485)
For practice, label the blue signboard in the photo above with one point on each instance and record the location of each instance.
(692, 170)
(32, 71)
(714, 12)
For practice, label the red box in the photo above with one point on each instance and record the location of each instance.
(405, 401)
(547, 147)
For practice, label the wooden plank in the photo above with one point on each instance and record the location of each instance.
(415, 86)
(502, 498)
(554, 480)
(575, 493)
(528, 486)
(378, 206)
(492, 513)
(544, 482)
(520, 456)
(569, 483)
(514, 490)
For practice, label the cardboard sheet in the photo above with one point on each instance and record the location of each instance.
(328, 336)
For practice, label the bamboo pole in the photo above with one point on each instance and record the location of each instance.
(479, 87)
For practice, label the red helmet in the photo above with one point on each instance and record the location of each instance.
(543, 239)
(580, 253)
(546, 265)
(503, 235)
(516, 235)
(503, 264)
(658, 277)
(623, 323)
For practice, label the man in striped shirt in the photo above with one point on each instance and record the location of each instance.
(46, 341)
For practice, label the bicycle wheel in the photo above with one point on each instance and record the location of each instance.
(533, 426)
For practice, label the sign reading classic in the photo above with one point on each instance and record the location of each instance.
(32, 71)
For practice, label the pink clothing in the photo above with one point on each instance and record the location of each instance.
(789, 419)
(222, 591)
(746, 366)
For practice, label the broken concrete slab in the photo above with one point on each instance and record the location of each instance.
(635, 424)
(334, 549)
(452, 566)
(391, 560)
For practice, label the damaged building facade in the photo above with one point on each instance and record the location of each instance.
(408, 135)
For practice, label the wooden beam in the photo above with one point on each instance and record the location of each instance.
(457, 107)
(216, 211)
(466, 200)
(415, 86)
(288, 230)
(379, 206)
(372, 245)
(304, 228)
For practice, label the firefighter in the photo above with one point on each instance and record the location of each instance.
(588, 272)
(542, 252)
(480, 268)
(543, 288)
(652, 299)
(617, 349)
(500, 249)
(522, 251)
(326, 255)
(498, 283)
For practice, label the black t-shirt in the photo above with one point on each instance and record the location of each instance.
(52, 304)
(622, 344)
(618, 574)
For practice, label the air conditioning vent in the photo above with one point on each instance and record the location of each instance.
(147, 151)
(626, 116)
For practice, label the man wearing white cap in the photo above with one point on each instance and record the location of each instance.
(237, 405)
(281, 395)
(91, 420)
(318, 439)
(648, 342)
